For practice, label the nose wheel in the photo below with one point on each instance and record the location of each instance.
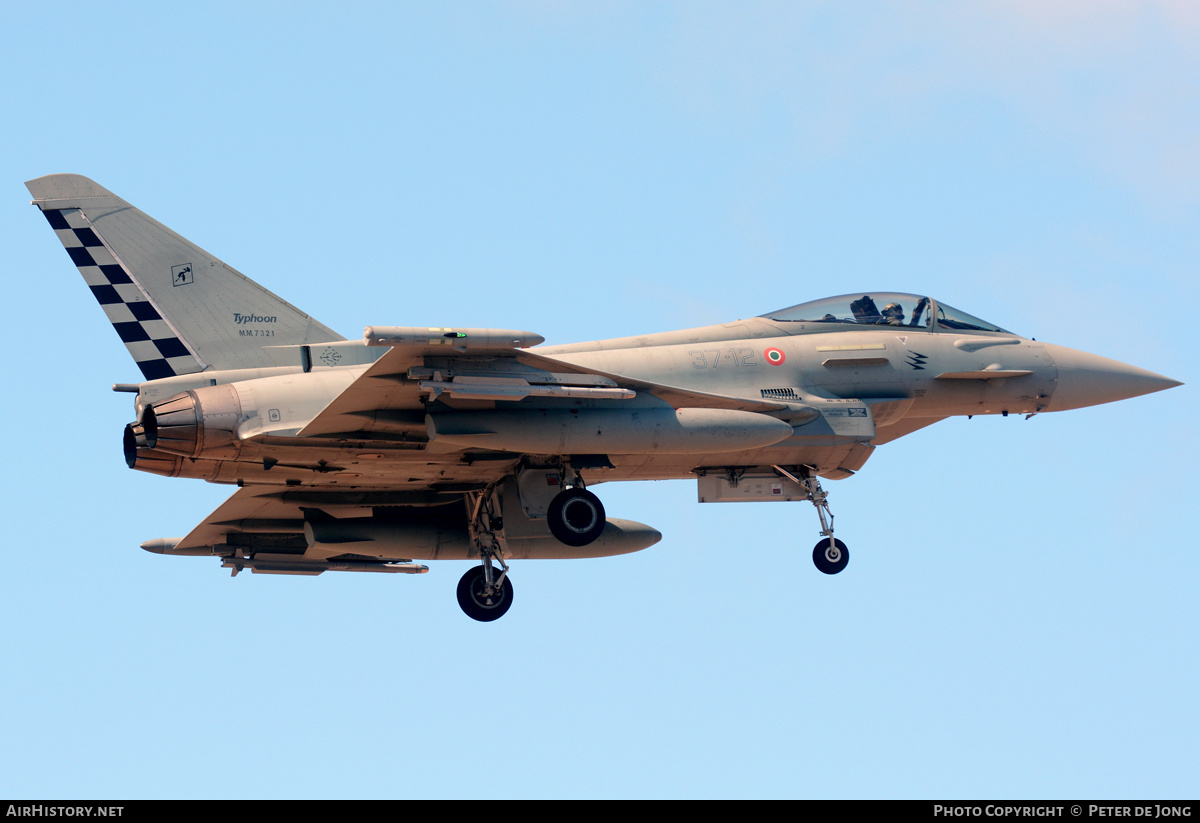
(831, 555)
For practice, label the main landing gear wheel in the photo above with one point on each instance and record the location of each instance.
(479, 602)
(576, 517)
(831, 559)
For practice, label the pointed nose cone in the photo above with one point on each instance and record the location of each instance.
(1089, 380)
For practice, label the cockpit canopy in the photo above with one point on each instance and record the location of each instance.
(882, 309)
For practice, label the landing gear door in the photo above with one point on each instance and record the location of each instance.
(536, 488)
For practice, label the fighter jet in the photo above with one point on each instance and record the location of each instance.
(420, 443)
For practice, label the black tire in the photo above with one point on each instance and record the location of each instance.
(478, 606)
(576, 517)
(830, 560)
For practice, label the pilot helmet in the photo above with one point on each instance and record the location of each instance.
(893, 310)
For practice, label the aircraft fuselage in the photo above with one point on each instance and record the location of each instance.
(423, 443)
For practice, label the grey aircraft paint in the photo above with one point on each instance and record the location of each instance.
(426, 443)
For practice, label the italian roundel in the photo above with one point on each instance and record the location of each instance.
(774, 356)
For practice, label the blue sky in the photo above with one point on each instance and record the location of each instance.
(1020, 615)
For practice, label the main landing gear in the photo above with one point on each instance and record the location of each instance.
(485, 593)
(830, 555)
(576, 516)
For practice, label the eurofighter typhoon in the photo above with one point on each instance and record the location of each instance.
(427, 443)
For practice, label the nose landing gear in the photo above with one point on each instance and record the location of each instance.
(830, 555)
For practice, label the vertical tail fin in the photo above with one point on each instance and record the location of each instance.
(178, 309)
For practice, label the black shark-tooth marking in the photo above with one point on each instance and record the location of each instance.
(917, 361)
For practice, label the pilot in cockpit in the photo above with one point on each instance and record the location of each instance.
(893, 315)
